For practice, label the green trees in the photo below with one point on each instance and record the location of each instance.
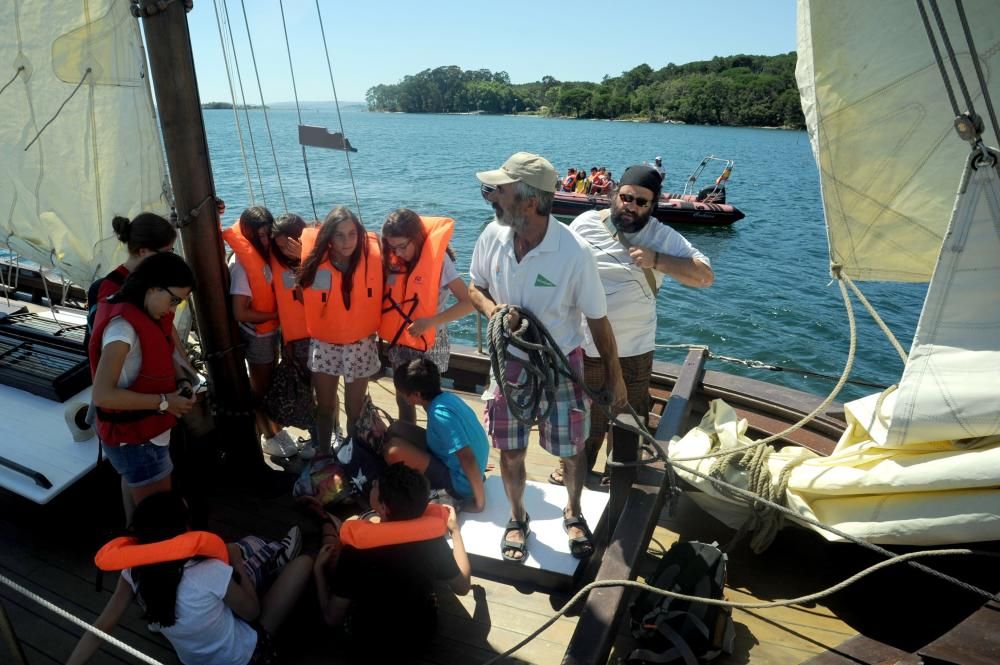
(731, 90)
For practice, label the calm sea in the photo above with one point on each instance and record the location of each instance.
(772, 300)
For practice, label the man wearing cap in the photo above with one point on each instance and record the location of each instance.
(525, 259)
(633, 251)
(658, 165)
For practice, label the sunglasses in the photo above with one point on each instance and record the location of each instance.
(486, 190)
(639, 202)
(174, 300)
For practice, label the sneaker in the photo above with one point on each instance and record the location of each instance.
(306, 448)
(443, 498)
(280, 445)
(291, 546)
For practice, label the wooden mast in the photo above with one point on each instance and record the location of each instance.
(176, 87)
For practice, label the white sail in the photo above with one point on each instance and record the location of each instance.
(99, 156)
(902, 202)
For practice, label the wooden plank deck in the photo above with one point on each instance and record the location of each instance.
(48, 549)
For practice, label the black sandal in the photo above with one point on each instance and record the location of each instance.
(582, 546)
(556, 477)
(507, 545)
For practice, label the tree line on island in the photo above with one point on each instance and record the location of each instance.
(748, 90)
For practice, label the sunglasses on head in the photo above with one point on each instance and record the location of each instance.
(639, 201)
(486, 190)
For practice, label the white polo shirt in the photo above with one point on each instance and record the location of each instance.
(631, 303)
(557, 281)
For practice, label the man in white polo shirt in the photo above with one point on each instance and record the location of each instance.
(526, 259)
(634, 252)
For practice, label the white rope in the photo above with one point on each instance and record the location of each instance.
(801, 600)
(878, 319)
(336, 102)
(232, 96)
(114, 641)
(263, 106)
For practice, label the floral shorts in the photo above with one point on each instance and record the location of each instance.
(358, 360)
(567, 427)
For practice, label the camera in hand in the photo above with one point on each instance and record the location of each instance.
(186, 392)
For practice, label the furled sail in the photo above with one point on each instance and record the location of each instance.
(905, 199)
(78, 136)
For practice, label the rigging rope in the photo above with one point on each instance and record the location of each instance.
(263, 105)
(340, 120)
(937, 57)
(243, 98)
(298, 111)
(12, 79)
(232, 96)
(946, 40)
(114, 641)
(59, 110)
(979, 70)
(801, 600)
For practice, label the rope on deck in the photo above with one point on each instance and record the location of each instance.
(759, 605)
(114, 641)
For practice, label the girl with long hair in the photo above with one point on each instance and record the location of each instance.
(419, 262)
(254, 308)
(136, 375)
(341, 279)
(212, 611)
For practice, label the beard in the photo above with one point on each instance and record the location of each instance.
(628, 222)
(515, 221)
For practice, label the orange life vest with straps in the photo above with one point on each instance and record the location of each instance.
(291, 305)
(126, 552)
(328, 318)
(363, 535)
(258, 275)
(414, 295)
(156, 374)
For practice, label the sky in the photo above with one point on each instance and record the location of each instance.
(381, 41)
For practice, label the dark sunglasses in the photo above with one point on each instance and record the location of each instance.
(486, 190)
(639, 202)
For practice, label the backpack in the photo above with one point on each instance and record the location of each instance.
(667, 630)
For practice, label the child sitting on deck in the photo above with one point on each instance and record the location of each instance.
(392, 563)
(454, 452)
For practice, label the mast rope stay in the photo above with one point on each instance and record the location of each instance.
(59, 110)
(243, 99)
(336, 102)
(263, 104)
(12, 79)
(232, 96)
(298, 110)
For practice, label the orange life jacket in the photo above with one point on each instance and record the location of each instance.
(328, 318)
(125, 552)
(291, 305)
(363, 535)
(258, 275)
(414, 295)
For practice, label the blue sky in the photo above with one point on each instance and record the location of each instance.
(380, 42)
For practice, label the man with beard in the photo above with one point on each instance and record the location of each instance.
(633, 252)
(527, 260)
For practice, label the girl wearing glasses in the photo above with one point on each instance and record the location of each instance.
(255, 309)
(136, 375)
(420, 273)
(341, 280)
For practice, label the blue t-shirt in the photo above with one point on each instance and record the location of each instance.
(451, 426)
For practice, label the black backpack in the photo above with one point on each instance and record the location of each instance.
(667, 630)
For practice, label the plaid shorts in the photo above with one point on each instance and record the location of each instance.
(567, 427)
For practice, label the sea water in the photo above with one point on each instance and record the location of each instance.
(772, 301)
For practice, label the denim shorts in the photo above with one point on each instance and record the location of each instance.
(259, 349)
(140, 464)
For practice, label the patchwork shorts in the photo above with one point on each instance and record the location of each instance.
(259, 349)
(566, 429)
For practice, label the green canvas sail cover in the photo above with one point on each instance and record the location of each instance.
(100, 155)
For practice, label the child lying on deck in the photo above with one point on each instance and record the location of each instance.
(453, 452)
(385, 570)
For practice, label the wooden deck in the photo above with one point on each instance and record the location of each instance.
(48, 549)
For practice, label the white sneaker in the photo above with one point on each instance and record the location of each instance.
(280, 445)
(292, 545)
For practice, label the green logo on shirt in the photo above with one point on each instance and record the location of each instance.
(542, 280)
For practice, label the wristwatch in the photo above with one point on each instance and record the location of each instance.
(164, 404)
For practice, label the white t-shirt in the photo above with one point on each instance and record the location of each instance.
(631, 303)
(120, 330)
(449, 273)
(207, 631)
(239, 285)
(557, 281)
